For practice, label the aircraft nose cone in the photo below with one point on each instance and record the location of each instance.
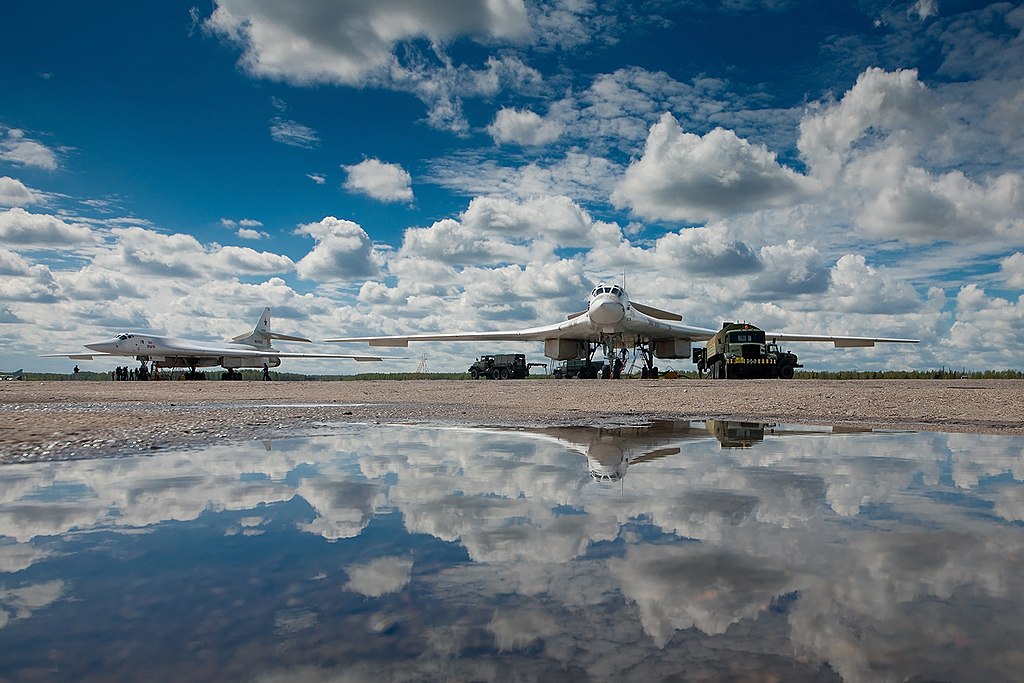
(606, 312)
(103, 346)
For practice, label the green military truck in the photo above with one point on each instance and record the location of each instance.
(579, 369)
(740, 351)
(500, 366)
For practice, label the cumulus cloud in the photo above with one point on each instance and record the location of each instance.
(17, 148)
(379, 577)
(352, 43)
(985, 327)
(909, 203)
(705, 250)
(250, 234)
(13, 264)
(379, 180)
(245, 228)
(494, 230)
(523, 128)
(893, 103)
(18, 226)
(450, 241)
(1012, 270)
(789, 269)
(857, 287)
(343, 250)
(924, 9)
(27, 283)
(14, 193)
(294, 134)
(183, 256)
(687, 177)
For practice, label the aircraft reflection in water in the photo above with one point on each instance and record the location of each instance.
(611, 450)
(410, 552)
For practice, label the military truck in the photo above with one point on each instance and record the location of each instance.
(500, 366)
(740, 351)
(579, 368)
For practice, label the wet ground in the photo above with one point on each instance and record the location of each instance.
(676, 550)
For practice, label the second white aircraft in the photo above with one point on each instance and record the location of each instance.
(251, 350)
(613, 321)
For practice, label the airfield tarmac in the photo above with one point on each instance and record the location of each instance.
(80, 419)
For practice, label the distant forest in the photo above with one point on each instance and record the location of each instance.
(257, 375)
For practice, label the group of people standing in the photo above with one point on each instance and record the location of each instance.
(126, 374)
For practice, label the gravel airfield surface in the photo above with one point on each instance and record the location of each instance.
(82, 419)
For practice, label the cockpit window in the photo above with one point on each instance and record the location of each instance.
(616, 290)
(122, 337)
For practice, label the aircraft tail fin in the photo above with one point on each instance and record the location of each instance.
(261, 336)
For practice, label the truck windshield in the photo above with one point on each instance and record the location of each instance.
(746, 337)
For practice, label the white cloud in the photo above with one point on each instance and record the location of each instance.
(857, 287)
(985, 328)
(380, 576)
(924, 9)
(245, 228)
(1012, 270)
(705, 251)
(687, 177)
(894, 103)
(13, 264)
(523, 127)
(14, 193)
(18, 226)
(352, 43)
(180, 256)
(250, 234)
(34, 283)
(452, 242)
(343, 251)
(294, 134)
(379, 180)
(557, 218)
(16, 148)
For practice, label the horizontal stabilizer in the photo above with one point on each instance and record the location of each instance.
(285, 337)
(656, 312)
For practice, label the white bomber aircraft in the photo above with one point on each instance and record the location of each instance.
(251, 350)
(613, 321)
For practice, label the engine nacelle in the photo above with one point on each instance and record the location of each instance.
(184, 362)
(564, 349)
(248, 362)
(672, 348)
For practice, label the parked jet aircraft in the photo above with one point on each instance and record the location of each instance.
(252, 350)
(613, 321)
(17, 374)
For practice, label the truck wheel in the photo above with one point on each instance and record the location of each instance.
(504, 373)
(786, 372)
(474, 373)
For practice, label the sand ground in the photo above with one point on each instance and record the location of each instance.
(80, 419)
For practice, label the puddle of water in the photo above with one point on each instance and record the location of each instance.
(396, 552)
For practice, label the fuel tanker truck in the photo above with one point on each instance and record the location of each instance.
(740, 351)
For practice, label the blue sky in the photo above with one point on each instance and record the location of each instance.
(403, 166)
